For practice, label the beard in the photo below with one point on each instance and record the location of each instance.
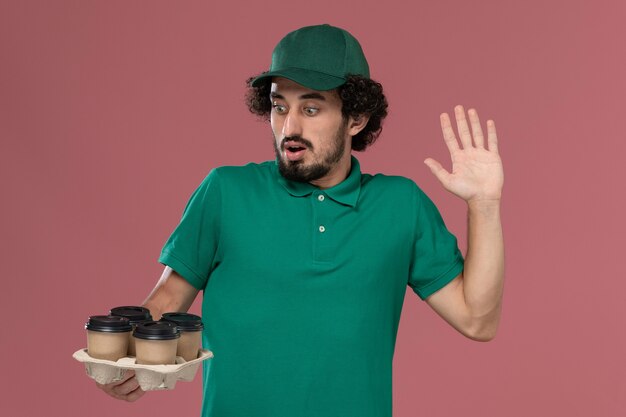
(320, 167)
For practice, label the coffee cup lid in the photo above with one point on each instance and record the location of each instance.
(134, 314)
(113, 324)
(186, 322)
(156, 330)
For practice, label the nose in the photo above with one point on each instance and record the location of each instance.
(292, 125)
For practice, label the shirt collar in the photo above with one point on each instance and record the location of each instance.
(346, 192)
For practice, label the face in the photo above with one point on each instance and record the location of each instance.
(310, 135)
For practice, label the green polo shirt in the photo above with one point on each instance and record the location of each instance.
(303, 287)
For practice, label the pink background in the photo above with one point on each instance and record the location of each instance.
(112, 112)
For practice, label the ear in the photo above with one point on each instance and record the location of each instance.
(356, 124)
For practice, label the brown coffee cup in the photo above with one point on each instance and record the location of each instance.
(190, 327)
(107, 337)
(135, 315)
(156, 343)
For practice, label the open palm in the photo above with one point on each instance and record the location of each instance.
(477, 172)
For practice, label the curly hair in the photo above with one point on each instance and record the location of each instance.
(359, 96)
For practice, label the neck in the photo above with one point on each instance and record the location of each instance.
(335, 176)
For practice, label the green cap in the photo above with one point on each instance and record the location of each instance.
(318, 57)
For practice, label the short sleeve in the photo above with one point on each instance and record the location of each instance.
(191, 248)
(436, 258)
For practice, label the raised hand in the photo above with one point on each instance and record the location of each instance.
(477, 172)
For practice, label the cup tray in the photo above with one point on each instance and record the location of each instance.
(150, 377)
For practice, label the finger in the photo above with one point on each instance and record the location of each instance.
(135, 395)
(491, 136)
(448, 133)
(477, 131)
(127, 387)
(437, 169)
(108, 389)
(461, 124)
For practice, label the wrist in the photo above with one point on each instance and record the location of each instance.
(483, 204)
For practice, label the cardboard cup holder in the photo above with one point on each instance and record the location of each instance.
(150, 377)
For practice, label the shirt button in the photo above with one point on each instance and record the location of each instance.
(320, 197)
(322, 229)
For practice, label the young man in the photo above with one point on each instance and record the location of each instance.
(304, 260)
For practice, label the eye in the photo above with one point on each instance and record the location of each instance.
(279, 108)
(311, 111)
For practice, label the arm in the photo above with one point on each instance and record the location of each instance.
(171, 293)
(471, 302)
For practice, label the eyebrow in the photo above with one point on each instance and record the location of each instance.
(302, 97)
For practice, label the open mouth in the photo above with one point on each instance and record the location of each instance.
(294, 151)
(296, 148)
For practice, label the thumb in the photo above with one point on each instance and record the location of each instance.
(437, 170)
